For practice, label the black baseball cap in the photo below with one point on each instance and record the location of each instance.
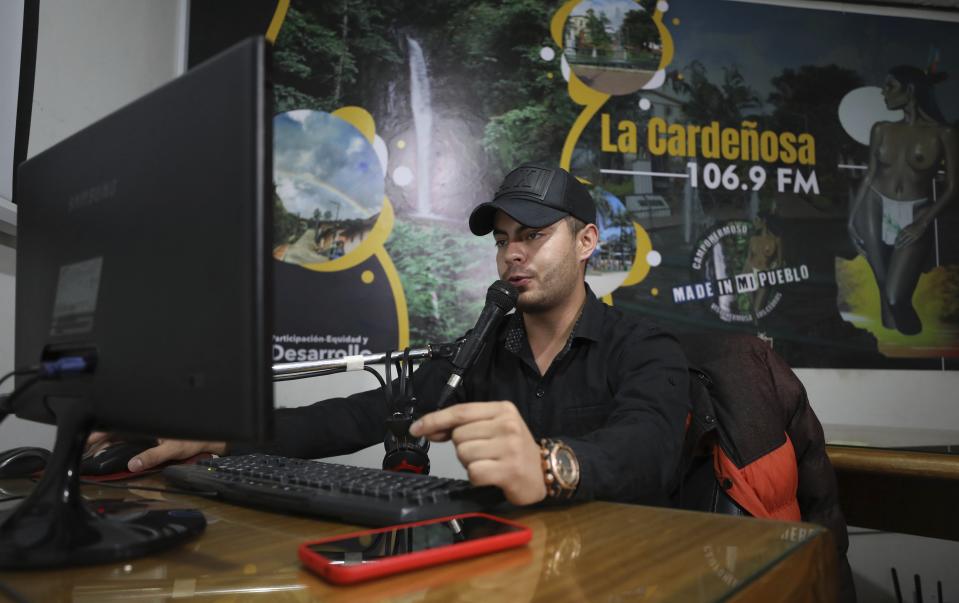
(535, 195)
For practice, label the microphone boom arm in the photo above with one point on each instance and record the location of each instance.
(287, 371)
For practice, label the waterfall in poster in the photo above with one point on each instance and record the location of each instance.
(423, 122)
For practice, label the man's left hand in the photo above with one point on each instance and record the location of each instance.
(493, 443)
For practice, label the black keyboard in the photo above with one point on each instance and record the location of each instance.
(349, 494)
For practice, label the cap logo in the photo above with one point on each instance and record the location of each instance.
(528, 181)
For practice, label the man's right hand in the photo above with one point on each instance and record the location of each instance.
(165, 450)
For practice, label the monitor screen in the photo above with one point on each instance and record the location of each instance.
(142, 247)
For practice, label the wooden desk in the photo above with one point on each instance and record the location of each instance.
(590, 552)
(898, 490)
(895, 463)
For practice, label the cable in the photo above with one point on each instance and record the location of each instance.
(407, 374)
(401, 373)
(22, 371)
(6, 402)
(12, 594)
(376, 374)
(383, 388)
(53, 368)
(45, 370)
(388, 366)
(132, 486)
(409, 378)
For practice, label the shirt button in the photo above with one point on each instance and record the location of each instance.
(727, 483)
(540, 393)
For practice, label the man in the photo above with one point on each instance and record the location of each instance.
(571, 399)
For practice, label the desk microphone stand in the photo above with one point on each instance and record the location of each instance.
(404, 453)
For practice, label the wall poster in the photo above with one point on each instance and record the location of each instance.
(787, 172)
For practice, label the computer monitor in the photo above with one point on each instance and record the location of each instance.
(143, 250)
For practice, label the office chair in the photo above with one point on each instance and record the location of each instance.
(753, 444)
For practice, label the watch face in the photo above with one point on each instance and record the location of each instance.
(565, 466)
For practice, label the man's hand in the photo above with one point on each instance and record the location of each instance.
(172, 450)
(165, 450)
(493, 443)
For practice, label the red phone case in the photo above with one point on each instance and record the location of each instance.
(349, 574)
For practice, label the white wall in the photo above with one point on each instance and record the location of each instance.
(13, 432)
(93, 57)
(900, 399)
(11, 28)
(96, 56)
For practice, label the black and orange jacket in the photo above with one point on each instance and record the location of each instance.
(768, 447)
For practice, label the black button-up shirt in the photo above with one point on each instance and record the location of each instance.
(617, 394)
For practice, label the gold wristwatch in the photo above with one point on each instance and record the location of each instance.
(560, 469)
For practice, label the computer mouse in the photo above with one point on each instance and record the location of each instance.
(113, 458)
(23, 461)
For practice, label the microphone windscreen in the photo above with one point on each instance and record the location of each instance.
(503, 295)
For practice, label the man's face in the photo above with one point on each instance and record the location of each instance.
(542, 263)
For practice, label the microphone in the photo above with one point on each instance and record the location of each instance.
(500, 299)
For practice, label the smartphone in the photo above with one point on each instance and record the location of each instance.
(359, 556)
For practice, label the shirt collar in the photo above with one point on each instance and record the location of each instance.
(588, 326)
(515, 333)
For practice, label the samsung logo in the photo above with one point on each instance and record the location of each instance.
(92, 196)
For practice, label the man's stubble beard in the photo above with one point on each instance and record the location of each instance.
(555, 286)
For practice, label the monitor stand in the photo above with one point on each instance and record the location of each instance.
(54, 526)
